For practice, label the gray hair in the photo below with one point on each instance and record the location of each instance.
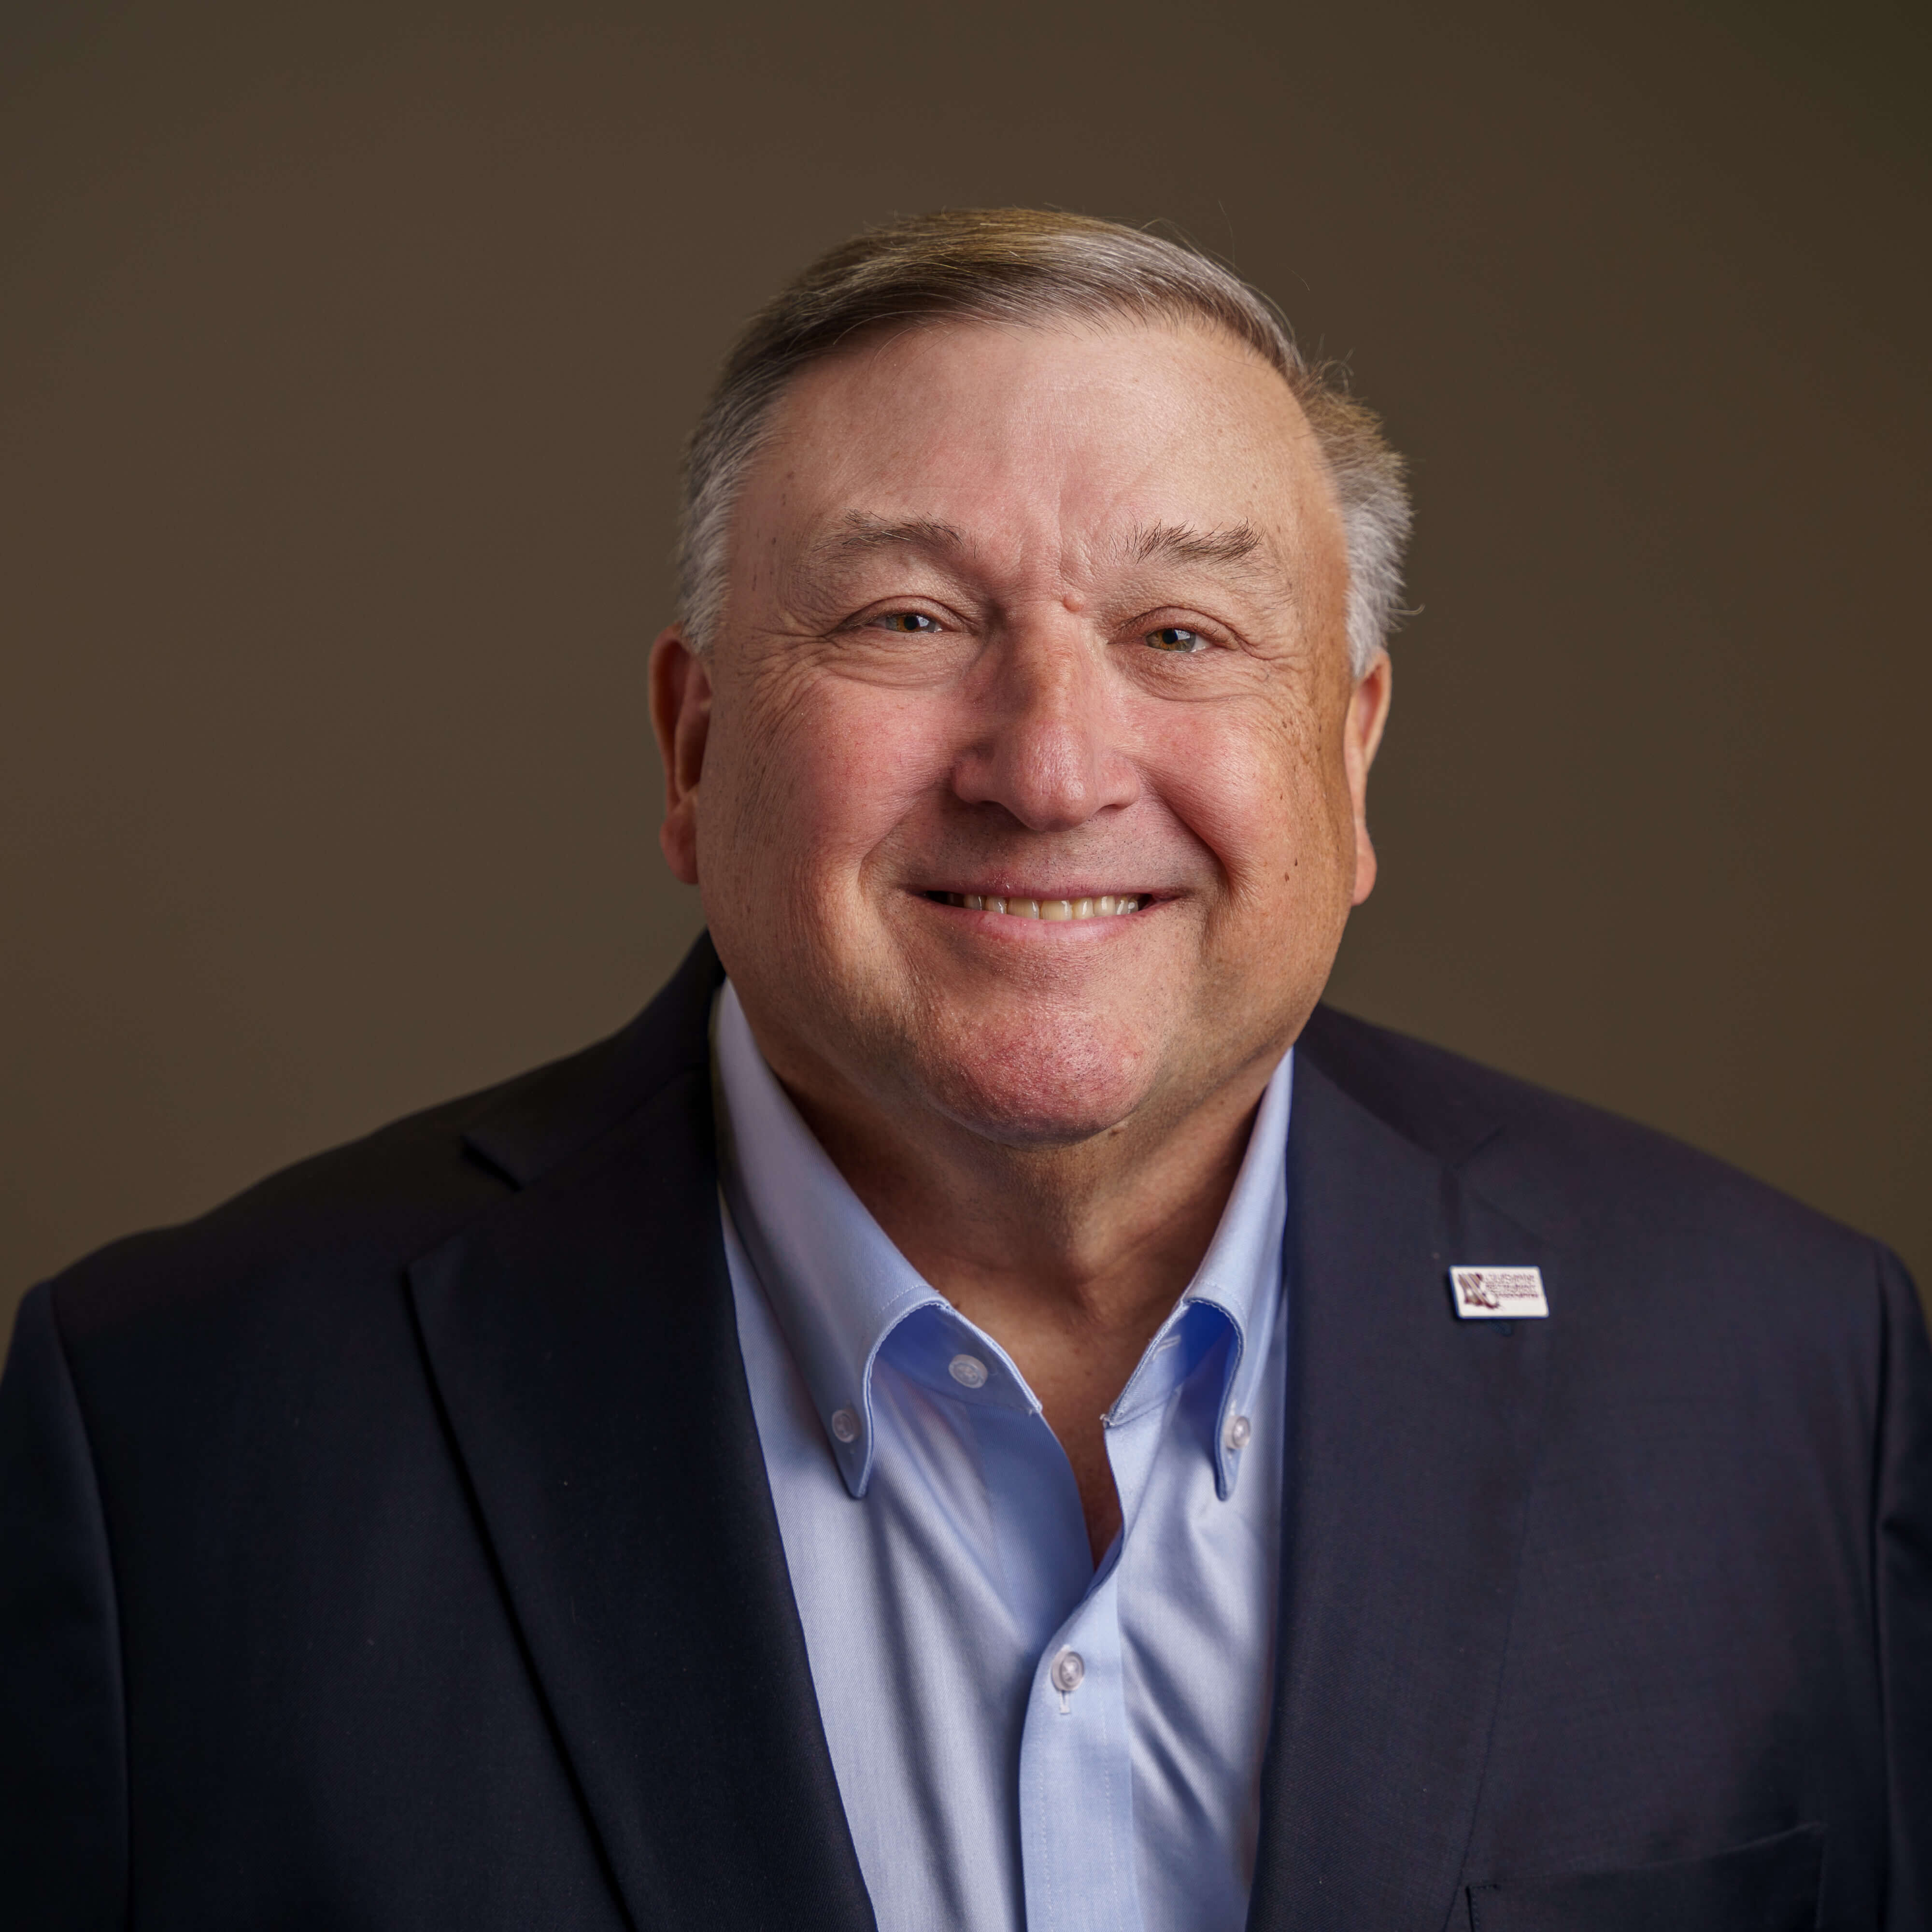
(1022, 266)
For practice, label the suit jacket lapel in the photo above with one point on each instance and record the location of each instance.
(583, 1346)
(1413, 1437)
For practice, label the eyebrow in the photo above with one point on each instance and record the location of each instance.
(860, 535)
(1176, 543)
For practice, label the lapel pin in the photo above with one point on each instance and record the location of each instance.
(1497, 1293)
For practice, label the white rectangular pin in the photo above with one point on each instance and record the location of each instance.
(1497, 1293)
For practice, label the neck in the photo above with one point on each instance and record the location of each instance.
(1070, 1257)
(1099, 1235)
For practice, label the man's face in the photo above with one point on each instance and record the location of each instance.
(1049, 616)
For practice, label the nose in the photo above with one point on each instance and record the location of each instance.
(1044, 737)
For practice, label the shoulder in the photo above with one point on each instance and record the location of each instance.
(1688, 1297)
(298, 1252)
(1577, 1174)
(359, 1210)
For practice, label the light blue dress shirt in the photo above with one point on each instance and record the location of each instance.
(1021, 1740)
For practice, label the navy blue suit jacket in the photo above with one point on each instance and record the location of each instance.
(392, 1548)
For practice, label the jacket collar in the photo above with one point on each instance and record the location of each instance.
(538, 1121)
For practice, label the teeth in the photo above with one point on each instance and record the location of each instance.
(1105, 907)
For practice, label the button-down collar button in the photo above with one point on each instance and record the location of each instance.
(1068, 1672)
(968, 1371)
(1239, 1430)
(844, 1425)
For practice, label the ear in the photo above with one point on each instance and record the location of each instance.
(681, 717)
(1362, 736)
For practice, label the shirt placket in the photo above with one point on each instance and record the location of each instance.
(1076, 1782)
(1076, 1790)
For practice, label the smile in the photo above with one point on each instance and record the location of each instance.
(1107, 906)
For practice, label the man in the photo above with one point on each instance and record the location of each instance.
(986, 1406)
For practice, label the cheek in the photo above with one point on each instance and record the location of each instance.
(817, 772)
(1266, 795)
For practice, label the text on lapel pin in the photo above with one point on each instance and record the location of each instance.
(1498, 1294)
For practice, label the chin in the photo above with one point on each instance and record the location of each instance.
(1045, 1081)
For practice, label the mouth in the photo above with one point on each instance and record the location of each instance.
(1105, 905)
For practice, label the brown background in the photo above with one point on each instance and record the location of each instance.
(344, 355)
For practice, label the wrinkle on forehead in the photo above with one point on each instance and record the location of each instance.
(863, 533)
(967, 436)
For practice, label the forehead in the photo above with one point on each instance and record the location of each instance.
(1025, 438)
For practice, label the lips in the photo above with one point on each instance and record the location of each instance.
(1106, 905)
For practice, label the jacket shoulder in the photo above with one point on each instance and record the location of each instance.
(364, 1208)
(1565, 1168)
(363, 1212)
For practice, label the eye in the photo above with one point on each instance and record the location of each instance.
(907, 623)
(1177, 638)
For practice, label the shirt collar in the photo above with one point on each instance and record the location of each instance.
(1239, 1277)
(839, 1287)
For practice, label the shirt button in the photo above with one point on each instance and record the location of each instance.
(968, 1371)
(1068, 1672)
(844, 1425)
(1239, 1430)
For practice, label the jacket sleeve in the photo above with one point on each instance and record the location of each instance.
(63, 1774)
(1902, 1549)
